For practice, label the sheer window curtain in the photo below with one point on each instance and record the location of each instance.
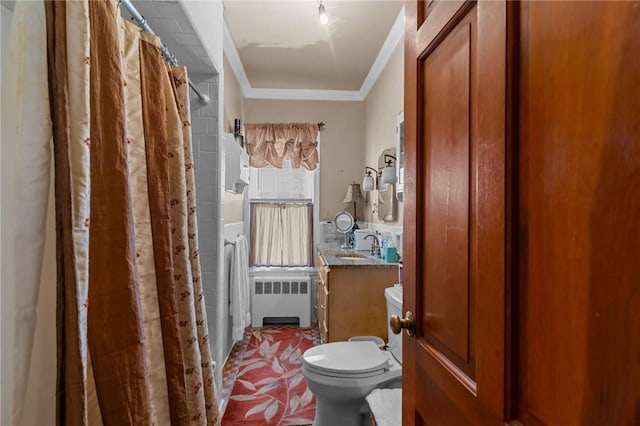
(296, 240)
(281, 234)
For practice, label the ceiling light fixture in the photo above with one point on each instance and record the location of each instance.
(324, 18)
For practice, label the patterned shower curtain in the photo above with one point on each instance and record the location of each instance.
(133, 345)
(26, 162)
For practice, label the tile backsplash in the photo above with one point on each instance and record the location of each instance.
(328, 234)
(330, 237)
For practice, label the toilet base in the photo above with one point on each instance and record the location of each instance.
(340, 401)
(350, 413)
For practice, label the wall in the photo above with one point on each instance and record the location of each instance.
(382, 105)
(341, 142)
(208, 158)
(233, 108)
(233, 205)
(206, 18)
(233, 100)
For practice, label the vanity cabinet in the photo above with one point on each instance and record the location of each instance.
(350, 299)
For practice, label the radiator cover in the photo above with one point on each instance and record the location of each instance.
(275, 296)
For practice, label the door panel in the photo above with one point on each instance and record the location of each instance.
(446, 140)
(579, 213)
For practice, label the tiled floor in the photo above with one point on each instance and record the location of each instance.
(232, 366)
(230, 372)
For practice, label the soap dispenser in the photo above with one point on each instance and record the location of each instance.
(384, 243)
(390, 252)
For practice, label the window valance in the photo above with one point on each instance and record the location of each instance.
(273, 143)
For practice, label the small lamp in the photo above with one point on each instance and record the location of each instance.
(354, 195)
(369, 182)
(389, 171)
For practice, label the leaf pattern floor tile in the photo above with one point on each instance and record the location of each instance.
(265, 378)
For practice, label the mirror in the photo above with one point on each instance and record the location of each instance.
(387, 203)
(344, 224)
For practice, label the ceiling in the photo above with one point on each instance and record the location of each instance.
(283, 45)
(280, 48)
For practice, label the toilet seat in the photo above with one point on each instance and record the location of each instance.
(356, 359)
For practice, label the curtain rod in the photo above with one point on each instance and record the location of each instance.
(303, 201)
(142, 23)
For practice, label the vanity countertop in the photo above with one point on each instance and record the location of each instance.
(339, 258)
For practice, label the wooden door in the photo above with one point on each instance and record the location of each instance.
(522, 213)
(455, 257)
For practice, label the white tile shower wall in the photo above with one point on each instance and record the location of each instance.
(196, 43)
(208, 159)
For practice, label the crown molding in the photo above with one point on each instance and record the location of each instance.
(395, 35)
(231, 53)
(305, 94)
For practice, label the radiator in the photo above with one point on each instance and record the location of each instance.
(277, 296)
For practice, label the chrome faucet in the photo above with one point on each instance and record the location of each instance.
(375, 245)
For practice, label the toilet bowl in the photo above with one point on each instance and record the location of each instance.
(342, 374)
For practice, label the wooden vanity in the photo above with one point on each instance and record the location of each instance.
(350, 295)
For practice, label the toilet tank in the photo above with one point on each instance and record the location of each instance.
(394, 307)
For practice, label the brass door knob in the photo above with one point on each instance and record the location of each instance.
(408, 323)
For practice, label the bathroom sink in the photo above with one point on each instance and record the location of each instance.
(351, 256)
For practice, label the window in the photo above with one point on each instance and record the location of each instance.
(281, 234)
(281, 216)
(287, 183)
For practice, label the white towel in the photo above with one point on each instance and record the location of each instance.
(240, 294)
(386, 406)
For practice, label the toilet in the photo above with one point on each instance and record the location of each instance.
(342, 374)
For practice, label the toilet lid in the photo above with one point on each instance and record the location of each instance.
(346, 357)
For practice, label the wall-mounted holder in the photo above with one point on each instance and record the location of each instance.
(387, 202)
(400, 154)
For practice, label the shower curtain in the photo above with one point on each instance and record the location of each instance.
(133, 345)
